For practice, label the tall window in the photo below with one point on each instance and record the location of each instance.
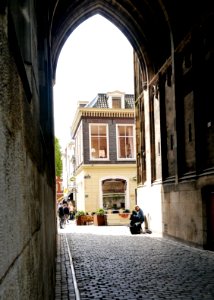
(79, 146)
(125, 142)
(98, 141)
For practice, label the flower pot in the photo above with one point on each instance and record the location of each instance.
(79, 220)
(99, 220)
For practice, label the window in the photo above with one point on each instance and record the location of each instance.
(116, 102)
(114, 193)
(79, 146)
(125, 142)
(98, 141)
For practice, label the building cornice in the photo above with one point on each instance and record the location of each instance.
(91, 167)
(91, 112)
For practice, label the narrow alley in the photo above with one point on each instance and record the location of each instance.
(107, 262)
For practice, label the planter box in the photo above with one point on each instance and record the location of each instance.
(84, 220)
(118, 219)
(100, 220)
(79, 221)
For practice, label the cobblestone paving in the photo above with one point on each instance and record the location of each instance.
(126, 267)
(64, 289)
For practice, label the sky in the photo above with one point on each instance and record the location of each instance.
(96, 58)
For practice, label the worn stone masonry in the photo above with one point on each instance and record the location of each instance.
(27, 201)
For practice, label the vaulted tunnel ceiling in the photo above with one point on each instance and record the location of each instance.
(153, 27)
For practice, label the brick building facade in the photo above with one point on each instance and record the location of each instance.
(105, 171)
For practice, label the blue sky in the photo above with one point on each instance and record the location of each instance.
(96, 58)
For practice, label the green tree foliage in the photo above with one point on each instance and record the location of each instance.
(58, 159)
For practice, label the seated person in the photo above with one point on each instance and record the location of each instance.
(135, 223)
(140, 213)
(134, 218)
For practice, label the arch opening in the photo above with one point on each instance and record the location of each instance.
(96, 58)
(144, 34)
(114, 193)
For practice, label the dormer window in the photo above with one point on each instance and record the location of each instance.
(116, 102)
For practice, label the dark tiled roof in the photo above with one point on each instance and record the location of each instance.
(129, 101)
(101, 101)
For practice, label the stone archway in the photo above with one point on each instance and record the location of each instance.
(136, 23)
(173, 47)
(169, 53)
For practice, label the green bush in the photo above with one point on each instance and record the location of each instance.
(80, 213)
(100, 211)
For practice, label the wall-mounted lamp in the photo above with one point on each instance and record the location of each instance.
(87, 176)
(72, 178)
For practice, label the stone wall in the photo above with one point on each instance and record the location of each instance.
(27, 187)
(178, 212)
(177, 192)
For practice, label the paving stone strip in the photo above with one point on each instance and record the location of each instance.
(64, 289)
(139, 267)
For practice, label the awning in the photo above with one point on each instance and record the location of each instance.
(60, 199)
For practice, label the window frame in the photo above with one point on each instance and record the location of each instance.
(107, 142)
(117, 142)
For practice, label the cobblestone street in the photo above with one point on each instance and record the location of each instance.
(110, 263)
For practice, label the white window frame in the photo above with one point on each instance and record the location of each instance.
(107, 141)
(134, 142)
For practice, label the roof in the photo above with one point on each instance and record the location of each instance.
(101, 101)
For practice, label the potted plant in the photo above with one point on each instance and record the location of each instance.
(78, 217)
(125, 213)
(99, 217)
